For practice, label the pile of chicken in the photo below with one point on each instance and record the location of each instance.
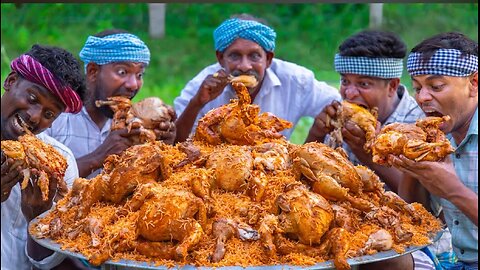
(223, 200)
(39, 161)
(146, 115)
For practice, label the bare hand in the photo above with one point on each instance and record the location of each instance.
(116, 142)
(32, 201)
(166, 131)
(321, 126)
(10, 175)
(439, 178)
(212, 87)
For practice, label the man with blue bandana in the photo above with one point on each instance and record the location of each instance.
(444, 72)
(370, 64)
(115, 62)
(245, 46)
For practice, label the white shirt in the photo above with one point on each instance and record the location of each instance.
(288, 90)
(79, 133)
(14, 224)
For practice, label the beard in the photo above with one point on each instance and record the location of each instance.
(98, 95)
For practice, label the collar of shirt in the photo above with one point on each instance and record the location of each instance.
(472, 131)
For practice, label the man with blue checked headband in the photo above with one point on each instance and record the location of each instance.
(245, 46)
(370, 64)
(115, 62)
(444, 72)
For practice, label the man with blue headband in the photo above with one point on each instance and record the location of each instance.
(115, 62)
(444, 72)
(370, 64)
(245, 46)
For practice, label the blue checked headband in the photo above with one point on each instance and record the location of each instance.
(448, 62)
(232, 29)
(114, 48)
(386, 68)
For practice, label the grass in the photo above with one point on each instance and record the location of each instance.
(307, 34)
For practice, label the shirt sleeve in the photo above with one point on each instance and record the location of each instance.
(47, 262)
(317, 95)
(191, 88)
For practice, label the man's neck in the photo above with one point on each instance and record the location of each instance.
(96, 115)
(395, 100)
(460, 133)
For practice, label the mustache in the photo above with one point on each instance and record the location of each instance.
(249, 73)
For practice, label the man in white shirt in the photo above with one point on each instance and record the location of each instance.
(115, 62)
(42, 84)
(245, 46)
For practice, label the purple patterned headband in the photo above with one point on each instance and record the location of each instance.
(35, 72)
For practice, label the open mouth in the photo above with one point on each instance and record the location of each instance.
(431, 112)
(21, 125)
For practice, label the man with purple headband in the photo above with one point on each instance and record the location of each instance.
(115, 62)
(43, 83)
(444, 72)
(245, 46)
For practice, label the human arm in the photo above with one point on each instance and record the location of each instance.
(321, 125)
(210, 88)
(167, 131)
(11, 175)
(354, 136)
(440, 179)
(116, 142)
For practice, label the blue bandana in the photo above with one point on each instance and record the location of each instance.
(232, 29)
(115, 48)
(386, 68)
(448, 62)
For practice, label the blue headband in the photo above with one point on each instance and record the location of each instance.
(386, 68)
(448, 62)
(232, 29)
(115, 48)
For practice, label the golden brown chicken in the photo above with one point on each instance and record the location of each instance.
(303, 215)
(138, 164)
(232, 166)
(422, 141)
(365, 119)
(32, 153)
(239, 122)
(146, 115)
(167, 214)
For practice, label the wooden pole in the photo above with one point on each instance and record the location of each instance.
(376, 15)
(156, 26)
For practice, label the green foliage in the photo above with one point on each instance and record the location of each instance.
(307, 34)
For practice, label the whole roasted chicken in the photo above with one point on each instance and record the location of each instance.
(364, 118)
(32, 153)
(422, 141)
(146, 115)
(239, 121)
(138, 164)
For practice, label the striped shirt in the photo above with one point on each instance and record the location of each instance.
(79, 133)
(465, 160)
(14, 224)
(288, 90)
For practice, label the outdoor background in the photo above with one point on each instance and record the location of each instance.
(307, 34)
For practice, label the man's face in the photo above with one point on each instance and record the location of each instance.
(368, 92)
(27, 104)
(245, 57)
(444, 95)
(116, 79)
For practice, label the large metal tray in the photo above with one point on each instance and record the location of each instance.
(380, 256)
